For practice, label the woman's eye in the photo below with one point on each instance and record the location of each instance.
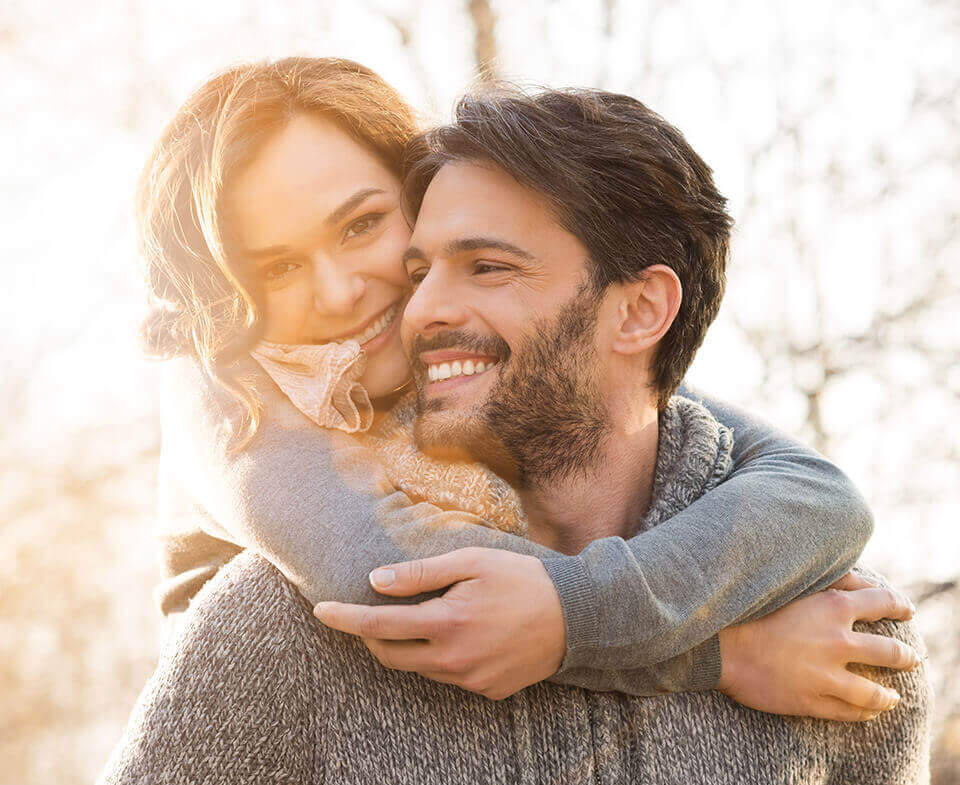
(277, 271)
(362, 225)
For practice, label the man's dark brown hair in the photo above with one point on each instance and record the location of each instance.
(618, 176)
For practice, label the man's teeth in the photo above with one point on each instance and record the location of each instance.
(374, 329)
(440, 372)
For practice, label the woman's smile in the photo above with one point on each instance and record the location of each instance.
(374, 333)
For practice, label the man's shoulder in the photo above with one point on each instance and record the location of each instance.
(248, 597)
(233, 697)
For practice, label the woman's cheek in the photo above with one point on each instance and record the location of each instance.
(287, 311)
(390, 253)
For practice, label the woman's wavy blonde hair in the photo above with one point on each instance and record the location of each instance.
(200, 305)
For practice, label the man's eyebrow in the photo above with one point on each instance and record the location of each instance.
(349, 204)
(479, 243)
(466, 244)
(413, 253)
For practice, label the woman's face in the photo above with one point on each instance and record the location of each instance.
(316, 219)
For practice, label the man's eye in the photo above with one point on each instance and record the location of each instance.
(488, 267)
(362, 225)
(416, 276)
(279, 270)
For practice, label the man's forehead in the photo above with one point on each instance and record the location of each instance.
(467, 198)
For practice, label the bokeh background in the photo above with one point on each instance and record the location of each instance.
(834, 129)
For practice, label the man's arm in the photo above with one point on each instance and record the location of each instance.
(315, 505)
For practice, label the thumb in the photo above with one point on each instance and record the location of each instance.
(405, 579)
(852, 582)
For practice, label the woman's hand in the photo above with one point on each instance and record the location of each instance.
(497, 629)
(794, 661)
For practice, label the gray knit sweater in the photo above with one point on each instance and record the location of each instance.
(252, 689)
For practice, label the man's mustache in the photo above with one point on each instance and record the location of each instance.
(459, 339)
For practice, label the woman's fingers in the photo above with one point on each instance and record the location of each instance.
(882, 652)
(875, 604)
(387, 622)
(406, 579)
(828, 707)
(401, 655)
(851, 582)
(864, 693)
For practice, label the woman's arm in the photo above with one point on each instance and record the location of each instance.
(784, 524)
(316, 506)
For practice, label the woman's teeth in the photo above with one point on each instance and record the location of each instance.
(442, 371)
(374, 329)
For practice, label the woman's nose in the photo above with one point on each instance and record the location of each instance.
(336, 291)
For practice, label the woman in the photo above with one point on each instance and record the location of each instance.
(271, 224)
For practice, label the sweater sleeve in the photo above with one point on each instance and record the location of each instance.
(235, 693)
(641, 617)
(785, 523)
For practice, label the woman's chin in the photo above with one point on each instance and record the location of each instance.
(382, 382)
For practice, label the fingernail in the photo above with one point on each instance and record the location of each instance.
(894, 698)
(318, 610)
(382, 577)
(871, 715)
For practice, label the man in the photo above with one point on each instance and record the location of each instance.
(585, 312)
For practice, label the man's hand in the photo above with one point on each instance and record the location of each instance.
(794, 661)
(497, 629)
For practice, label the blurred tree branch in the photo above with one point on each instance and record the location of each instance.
(485, 53)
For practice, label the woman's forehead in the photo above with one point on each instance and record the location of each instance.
(301, 176)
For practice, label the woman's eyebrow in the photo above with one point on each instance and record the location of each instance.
(350, 203)
(263, 254)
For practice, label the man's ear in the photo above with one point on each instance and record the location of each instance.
(646, 309)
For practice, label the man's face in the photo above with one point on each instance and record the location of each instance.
(500, 329)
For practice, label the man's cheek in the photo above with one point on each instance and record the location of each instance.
(407, 335)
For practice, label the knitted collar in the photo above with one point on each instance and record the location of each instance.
(693, 456)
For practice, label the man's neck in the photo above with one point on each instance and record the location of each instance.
(605, 500)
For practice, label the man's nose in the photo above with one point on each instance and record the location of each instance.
(435, 304)
(336, 290)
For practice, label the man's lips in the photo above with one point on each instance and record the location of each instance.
(449, 355)
(441, 375)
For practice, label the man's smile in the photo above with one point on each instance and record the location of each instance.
(450, 368)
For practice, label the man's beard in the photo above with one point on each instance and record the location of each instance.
(544, 419)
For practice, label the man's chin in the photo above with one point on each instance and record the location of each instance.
(438, 430)
(453, 436)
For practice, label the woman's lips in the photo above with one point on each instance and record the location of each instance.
(357, 333)
(376, 343)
